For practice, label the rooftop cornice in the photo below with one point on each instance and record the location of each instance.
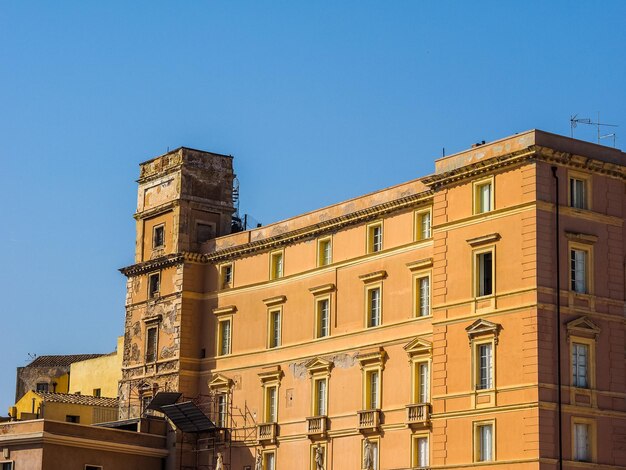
(316, 230)
(159, 263)
(581, 162)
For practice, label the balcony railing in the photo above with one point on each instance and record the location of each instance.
(267, 432)
(316, 425)
(369, 420)
(418, 414)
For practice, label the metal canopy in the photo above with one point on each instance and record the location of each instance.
(188, 417)
(162, 399)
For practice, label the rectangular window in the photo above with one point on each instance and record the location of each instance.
(221, 410)
(484, 274)
(373, 307)
(158, 236)
(226, 276)
(269, 461)
(374, 238)
(275, 327)
(580, 371)
(154, 285)
(422, 289)
(93, 467)
(324, 252)
(422, 376)
(276, 265)
(373, 390)
(423, 225)
(582, 447)
(6, 465)
(483, 197)
(484, 379)
(578, 270)
(578, 193)
(320, 397)
(72, 419)
(271, 404)
(370, 454)
(322, 321)
(224, 336)
(97, 392)
(420, 451)
(151, 344)
(42, 387)
(484, 447)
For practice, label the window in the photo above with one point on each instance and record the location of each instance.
(422, 382)
(226, 276)
(222, 408)
(484, 273)
(420, 451)
(423, 225)
(484, 366)
(319, 407)
(276, 265)
(373, 307)
(6, 465)
(483, 196)
(151, 344)
(578, 192)
(375, 237)
(578, 270)
(269, 461)
(271, 404)
(158, 236)
(93, 467)
(324, 252)
(582, 447)
(372, 390)
(72, 419)
(97, 392)
(224, 336)
(422, 292)
(484, 442)
(42, 387)
(580, 371)
(154, 285)
(322, 317)
(205, 232)
(274, 328)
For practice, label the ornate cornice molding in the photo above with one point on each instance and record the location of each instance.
(316, 230)
(159, 263)
(581, 162)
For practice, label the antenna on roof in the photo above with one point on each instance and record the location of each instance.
(575, 120)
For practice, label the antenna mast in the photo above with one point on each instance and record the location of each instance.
(575, 120)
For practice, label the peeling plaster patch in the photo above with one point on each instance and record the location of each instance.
(298, 370)
(279, 230)
(167, 352)
(349, 208)
(344, 361)
(136, 328)
(134, 356)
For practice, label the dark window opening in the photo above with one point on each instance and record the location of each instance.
(158, 237)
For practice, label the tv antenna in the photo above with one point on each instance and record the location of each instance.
(575, 120)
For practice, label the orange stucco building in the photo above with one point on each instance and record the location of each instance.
(417, 326)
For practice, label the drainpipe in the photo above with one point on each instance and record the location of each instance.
(557, 235)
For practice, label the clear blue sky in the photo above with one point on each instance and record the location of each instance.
(318, 101)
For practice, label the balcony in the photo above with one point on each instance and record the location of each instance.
(316, 426)
(369, 420)
(418, 415)
(267, 432)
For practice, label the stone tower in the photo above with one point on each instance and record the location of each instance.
(185, 199)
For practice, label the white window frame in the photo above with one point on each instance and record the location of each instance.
(324, 251)
(419, 309)
(221, 322)
(478, 441)
(423, 224)
(277, 264)
(416, 455)
(274, 338)
(319, 324)
(374, 239)
(370, 307)
(572, 197)
(223, 282)
(584, 286)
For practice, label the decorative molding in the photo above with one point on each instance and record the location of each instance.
(323, 289)
(158, 210)
(271, 374)
(220, 382)
(375, 276)
(317, 365)
(583, 326)
(374, 357)
(153, 319)
(224, 310)
(484, 239)
(581, 237)
(273, 301)
(418, 347)
(420, 264)
(152, 265)
(483, 328)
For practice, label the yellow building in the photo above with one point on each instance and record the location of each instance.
(417, 326)
(98, 376)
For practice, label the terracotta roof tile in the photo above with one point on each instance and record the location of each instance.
(60, 361)
(78, 399)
